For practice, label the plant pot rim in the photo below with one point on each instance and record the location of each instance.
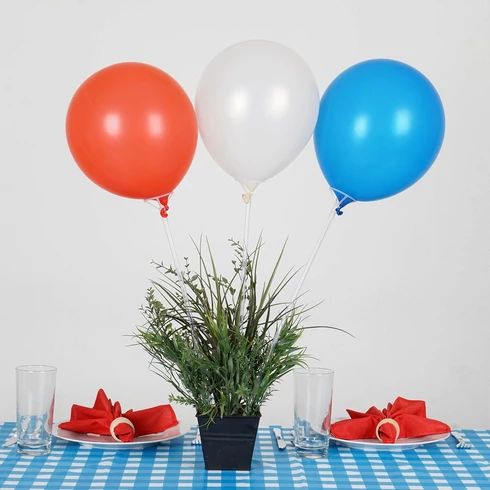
(241, 417)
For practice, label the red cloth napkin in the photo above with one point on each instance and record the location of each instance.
(410, 415)
(98, 419)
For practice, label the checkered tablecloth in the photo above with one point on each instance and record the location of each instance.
(178, 464)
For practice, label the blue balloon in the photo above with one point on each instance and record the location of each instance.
(380, 128)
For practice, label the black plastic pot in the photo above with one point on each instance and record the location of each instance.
(228, 442)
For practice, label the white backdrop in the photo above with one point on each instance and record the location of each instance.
(408, 276)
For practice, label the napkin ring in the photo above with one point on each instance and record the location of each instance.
(116, 422)
(387, 420)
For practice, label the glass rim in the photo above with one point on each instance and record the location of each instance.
(315, 371)
(35, 368)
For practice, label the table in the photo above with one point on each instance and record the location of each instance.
(178, 464)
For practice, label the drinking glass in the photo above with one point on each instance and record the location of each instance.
(312, 411)
(35, 406)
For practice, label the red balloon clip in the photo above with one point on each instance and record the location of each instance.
(164, 207)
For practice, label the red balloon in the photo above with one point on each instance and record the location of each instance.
(132, 130)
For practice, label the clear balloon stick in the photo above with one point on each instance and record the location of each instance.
(307, 267)
(247, 199)
(163, 207)
(314, 253)
(180, 275)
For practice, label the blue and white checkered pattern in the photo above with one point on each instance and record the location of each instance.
(178, 464)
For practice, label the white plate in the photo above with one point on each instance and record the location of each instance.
(107, 442)
(399, 445)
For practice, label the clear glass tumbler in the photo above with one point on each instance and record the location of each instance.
(312, 411)
(35, 406)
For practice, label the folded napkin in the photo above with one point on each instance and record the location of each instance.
(403, 418)
(106, 418)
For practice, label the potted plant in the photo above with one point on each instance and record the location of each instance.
(223, 347)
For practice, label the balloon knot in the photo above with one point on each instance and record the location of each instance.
(339, 211)
(164, 207)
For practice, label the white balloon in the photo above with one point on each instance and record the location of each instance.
(257, 106)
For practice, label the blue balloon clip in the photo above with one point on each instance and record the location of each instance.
(343, 199)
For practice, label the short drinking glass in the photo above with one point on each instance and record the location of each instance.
(35, 406)
(312, 411)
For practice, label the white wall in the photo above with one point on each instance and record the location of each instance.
(409, 276)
